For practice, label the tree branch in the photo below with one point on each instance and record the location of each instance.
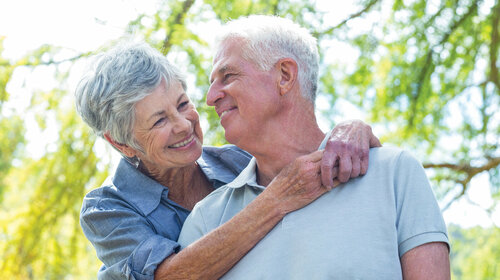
(56, 62)
(462, 193)
(49, 62)
(274, 7)
(428, 58)
(494, 75)
(352, 16)
(467, 169)
(179, 20)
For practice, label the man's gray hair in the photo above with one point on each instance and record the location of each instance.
(268, 39)
(118, 79)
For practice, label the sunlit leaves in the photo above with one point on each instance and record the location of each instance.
(49, 235)
(40, 232)
(6, 70)
(422, 71)
(475, 253)
(11, 143)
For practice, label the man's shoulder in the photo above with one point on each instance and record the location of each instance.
(207, 214)
(388, 154)
(216, 199)
(222, 204)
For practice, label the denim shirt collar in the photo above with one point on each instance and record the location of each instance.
(221, 166)
(129, 180)
(216, 164)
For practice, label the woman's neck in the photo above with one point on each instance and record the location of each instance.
(187, 185)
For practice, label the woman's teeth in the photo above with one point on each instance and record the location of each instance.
(183, 143)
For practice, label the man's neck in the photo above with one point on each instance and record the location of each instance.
(297, 135)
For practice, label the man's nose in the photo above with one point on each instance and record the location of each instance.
(214, 94)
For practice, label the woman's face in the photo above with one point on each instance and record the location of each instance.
(167, 127)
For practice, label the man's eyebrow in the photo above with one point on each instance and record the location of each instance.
(223, 69)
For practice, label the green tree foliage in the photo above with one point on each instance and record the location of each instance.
(425, 73)
(11, 138)
(40, 233)
(429, 71)
(476, 252)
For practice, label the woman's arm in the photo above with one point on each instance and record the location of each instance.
(215, 253)
(296, 186)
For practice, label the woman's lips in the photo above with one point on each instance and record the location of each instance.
(183, 143)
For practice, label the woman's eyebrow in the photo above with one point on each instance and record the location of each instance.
(158, 113)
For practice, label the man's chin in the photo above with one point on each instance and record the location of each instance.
(231, 137)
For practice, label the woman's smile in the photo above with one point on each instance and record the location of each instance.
(183, 143)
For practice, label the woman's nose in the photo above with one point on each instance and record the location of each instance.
(181, 124)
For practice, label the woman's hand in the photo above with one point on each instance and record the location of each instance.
(347, 151)
(299, 183)
(214, 253)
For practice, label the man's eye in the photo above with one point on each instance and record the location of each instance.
(183, 104)
(227, 76)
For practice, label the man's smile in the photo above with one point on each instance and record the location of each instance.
(222, 112)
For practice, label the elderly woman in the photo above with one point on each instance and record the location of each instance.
(136, 100)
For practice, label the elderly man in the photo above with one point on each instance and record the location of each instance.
(384, 225)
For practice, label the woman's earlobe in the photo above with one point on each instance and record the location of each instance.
(123, 148)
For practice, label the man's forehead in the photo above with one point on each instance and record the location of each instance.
(224, 60)
(228, 48)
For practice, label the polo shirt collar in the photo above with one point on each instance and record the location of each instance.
(247, 177)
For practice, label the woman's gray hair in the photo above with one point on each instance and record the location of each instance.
(119, 78)
(268, 39)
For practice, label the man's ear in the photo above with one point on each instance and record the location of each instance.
(288, 70)
(123, 148)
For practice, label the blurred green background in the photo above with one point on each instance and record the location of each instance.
(424, 74)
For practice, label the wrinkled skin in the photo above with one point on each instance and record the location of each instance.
(347, 152)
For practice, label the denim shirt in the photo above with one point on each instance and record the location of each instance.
(132, 223)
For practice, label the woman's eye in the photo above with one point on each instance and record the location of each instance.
(159, 121)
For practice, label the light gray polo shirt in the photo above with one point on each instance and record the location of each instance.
(358, 230)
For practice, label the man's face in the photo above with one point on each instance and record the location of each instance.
(245, 97)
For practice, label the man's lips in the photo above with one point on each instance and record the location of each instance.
(222, 112)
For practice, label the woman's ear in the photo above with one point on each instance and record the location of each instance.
(288, 70)
(123, 148)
